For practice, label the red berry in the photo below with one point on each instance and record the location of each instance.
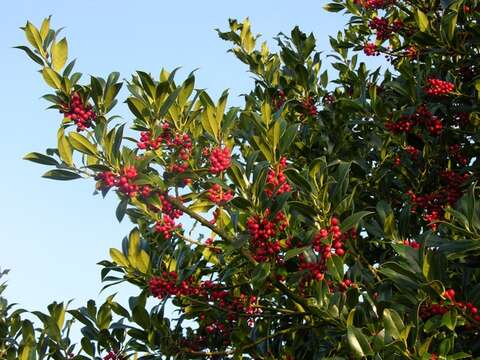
(370, 49)
(220, 159)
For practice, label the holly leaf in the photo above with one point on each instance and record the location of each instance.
(60, 174)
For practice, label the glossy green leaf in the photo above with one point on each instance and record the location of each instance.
(358, 342)
(422, 20)
(59, 174)
(33, 36)
(87, 346)
(82, 144)
(449, 319)
(59, 52)
(334, 7)
(118, 257)
(64, 148)
(294, 252)
(52, 78)
(169, 102)
(31, 54)
(393, 324)
(260, 274)
(449, 25)
(335, 267)
(121, 209)
(287, 138)
(353, 220)
(40, 159)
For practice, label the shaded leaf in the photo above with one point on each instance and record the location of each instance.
(59, 174)
(40, 159)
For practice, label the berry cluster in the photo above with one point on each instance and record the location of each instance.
(454, 181)
(450, 294)
(421, 117)
(146, 191)
(468, 307)
(309, 107)
(412, 243)
(371, 49)
(312, 270)
(220, 160)
(166, 226)
(181, 147)
(276, 180)
(345, 284)
(234, 306)
(383, 29)
(167, 207)
(211, 332)
(321, 245)
(434, 203)
(437, 87)
(218, 329)
(80, 113)
(178, 146)
(217, 195)
(264, 232)
(410, 150)
(375, 4)
(327, 242)
(124, 181)
(146, 141)
(108, 178)
(167, 285)
(413, 152)
(455, 152)
(404, 124)
(328, 99)
(427, 311)
(113, 356)
(433, 125)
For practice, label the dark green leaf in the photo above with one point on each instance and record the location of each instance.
(31, 54)
(61, 175)
(353, 220)
(294, 252)
(393, 324)
(358, 342)
(260, 274)
(121, 209)
(40, 159)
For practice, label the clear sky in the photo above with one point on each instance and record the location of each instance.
(53, 233)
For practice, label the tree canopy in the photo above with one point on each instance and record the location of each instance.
(334, 215)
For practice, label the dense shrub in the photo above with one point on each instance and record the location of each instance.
(332, 219)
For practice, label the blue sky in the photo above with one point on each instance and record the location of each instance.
(53, 233)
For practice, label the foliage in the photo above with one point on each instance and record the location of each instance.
(345, 212)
